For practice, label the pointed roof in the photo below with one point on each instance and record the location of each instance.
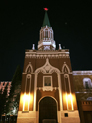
(46, 20)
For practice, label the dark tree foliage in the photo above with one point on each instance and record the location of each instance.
(13, 99)
(0, 101)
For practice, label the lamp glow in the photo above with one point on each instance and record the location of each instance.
(14, 110)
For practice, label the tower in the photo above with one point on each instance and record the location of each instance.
(47, 91)
(46, 36)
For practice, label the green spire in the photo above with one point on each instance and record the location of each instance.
(46, 20)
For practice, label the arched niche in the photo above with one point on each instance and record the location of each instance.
(29, 68)
(65, 68)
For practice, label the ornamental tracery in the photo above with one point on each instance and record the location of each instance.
(47, 68)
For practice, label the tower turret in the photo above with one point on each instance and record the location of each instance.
(46, 41)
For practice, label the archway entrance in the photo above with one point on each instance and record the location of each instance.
(47, 109)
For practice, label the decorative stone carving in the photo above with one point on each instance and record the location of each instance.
(47, 68)
(46, 47)
(48, 89)
(62, 55)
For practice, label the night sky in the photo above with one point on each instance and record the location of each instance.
(20, 24)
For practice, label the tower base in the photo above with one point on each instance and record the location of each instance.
(70, 117)
(26, 117)
(63, 117)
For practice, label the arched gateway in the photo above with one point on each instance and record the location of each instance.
(47, 109)
(47, 90)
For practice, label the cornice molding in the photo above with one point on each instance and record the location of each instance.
(47, 55)
(82, 72)
(53, 88)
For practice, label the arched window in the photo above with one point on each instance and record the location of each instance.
(46, 34)
(51, 36)
(87, 83)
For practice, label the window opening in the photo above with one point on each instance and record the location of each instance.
(86, 85)
(46, 34)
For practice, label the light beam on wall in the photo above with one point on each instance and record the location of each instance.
(69, 101)
(26, 101)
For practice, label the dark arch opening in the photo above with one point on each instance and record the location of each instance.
(47, 109)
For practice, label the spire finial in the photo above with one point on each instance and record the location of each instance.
(33, 48)
(46, 19)
(60, 47)
(46, 9)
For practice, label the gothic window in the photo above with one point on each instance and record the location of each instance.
(49, 34)
(46, 34)
(86, 85)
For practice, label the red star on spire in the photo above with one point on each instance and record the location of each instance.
(46, 9)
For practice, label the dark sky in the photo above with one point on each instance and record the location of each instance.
(20, 24)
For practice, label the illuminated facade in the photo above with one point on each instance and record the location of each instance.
(47, 90)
